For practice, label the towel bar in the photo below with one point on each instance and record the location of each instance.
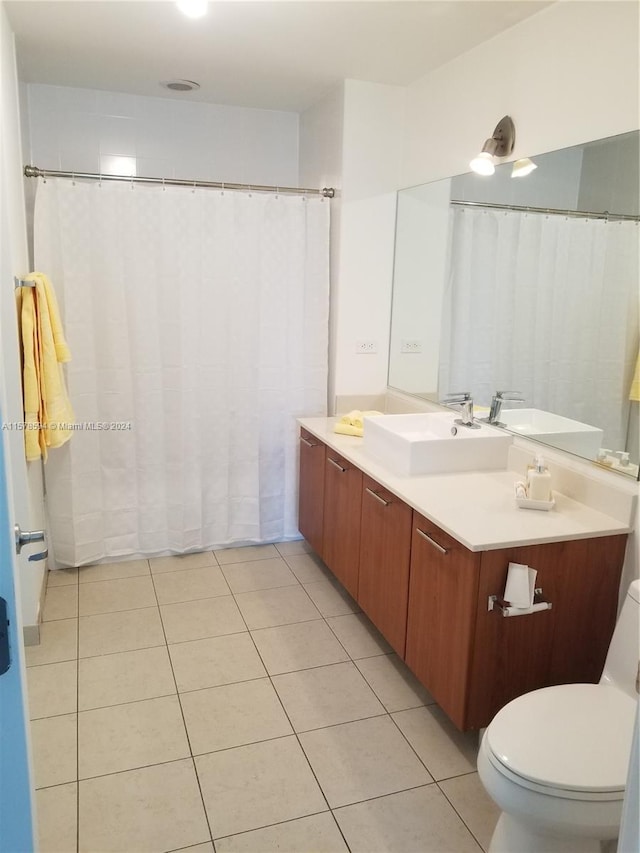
(20, 282)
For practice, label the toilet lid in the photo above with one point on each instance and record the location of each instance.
(575, 736)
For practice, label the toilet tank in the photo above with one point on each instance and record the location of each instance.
(621, 665)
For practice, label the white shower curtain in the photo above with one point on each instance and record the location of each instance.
(546, 305)
(200, 317)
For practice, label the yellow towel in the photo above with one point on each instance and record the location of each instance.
(356, 418)
(634, 391)
(348, 429)
(46, 405)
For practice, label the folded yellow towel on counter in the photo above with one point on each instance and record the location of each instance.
(353, 423)
(356, 417)
(348, 429)
(47, 409)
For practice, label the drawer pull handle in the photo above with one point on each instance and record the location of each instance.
(435, 544)
(377, 497)
(337, 464)
(308, 443)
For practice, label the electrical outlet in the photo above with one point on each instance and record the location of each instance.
(413, 345)
(366, 347)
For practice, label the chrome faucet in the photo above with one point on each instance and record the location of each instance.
(465, 401)
(496, 404)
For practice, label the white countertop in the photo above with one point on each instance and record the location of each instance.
(477, 508)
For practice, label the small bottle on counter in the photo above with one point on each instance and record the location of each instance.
(539, 481)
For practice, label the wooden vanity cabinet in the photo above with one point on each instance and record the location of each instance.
(385, 544)
(428, 594)
(311, 490)
(443, 599)
(474, 660)
(342, 504)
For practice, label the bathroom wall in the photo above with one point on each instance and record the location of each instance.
(320, 165)
(26, 481)
(84, 130)
(373, 118)
(547, 72)
(566, 75)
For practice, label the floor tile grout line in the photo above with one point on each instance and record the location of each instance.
(379, 698)
(452, 804)
(279, 823)
(184, 723)
(295, 734)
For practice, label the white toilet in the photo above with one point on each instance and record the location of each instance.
(555, 760)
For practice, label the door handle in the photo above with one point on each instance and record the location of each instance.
(23, 538)
(5, 652)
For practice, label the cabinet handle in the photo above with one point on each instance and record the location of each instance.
(435, 544)
(377, 497)
(337, 464)
(308, 443)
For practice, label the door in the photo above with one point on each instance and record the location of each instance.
(342, 505)
(385, 545)
(443, 596)
(311, 490)
(16, 832)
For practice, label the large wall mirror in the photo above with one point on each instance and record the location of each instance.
(530, 285)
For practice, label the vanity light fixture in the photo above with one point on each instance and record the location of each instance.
(500, 145)
(193, 8)
(523, 167)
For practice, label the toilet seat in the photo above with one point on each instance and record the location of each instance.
(569, 741)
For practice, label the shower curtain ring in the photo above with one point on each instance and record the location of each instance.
(73, 179)
(163, 186)
(222, 192)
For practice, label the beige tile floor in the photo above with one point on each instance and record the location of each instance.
(237, 701)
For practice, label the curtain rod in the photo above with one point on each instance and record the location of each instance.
(552, 210)
(35, 172)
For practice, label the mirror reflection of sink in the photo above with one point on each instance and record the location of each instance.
(424, 444)
(555, 430)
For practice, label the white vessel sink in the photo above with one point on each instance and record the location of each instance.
(424, 444)
(564, 433)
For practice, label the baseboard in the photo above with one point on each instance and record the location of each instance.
(31, 635)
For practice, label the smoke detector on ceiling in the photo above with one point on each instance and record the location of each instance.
(181, 85)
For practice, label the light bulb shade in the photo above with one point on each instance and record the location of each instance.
(483, 164)
(193, 8)
(523, 167)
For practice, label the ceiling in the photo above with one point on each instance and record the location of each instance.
(255, 53)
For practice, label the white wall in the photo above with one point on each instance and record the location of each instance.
(566, 75)
(26, 481)
(84, 130)
(373, 118)
(422, 249)
(320, 165)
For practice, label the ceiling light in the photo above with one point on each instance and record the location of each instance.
(500, 145)
(193, 8)
(523, 167)
(181, 85)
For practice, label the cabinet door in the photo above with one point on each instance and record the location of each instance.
(512, 655)
(342, 502)
(385, 543)
(443, 593)
(311, 490)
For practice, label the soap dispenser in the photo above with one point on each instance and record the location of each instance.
(539, 481)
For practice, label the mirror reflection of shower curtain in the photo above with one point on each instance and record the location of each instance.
(546, 305)
(201, 318)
